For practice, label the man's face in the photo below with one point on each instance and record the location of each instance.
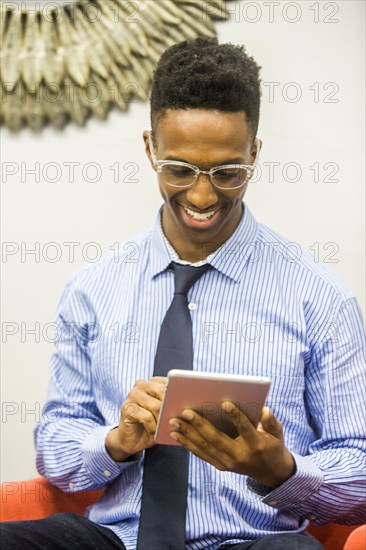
(204, 138)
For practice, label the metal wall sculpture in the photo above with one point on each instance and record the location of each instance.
(66, 60)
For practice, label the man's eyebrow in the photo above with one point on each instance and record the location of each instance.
(236, 160)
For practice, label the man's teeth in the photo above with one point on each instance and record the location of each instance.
(200, 217)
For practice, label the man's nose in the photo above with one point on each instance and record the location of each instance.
(202, 193)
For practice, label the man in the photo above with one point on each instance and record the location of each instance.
(258, 310)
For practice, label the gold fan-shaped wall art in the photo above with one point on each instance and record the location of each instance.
(64, 60)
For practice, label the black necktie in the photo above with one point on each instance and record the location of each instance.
(165, 481)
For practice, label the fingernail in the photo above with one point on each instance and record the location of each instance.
(228, 407)
(174, 436)
(187, 415)
(174, 424)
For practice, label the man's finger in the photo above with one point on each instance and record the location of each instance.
(201, 431)
(239, 419)
(187, 436)
(159, 379)
(270, 423)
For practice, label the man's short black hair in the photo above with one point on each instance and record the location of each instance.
(203, 74)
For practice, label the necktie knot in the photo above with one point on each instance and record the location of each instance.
(185, 276)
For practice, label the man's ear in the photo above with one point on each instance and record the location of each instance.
(145, 136)
(257, 146)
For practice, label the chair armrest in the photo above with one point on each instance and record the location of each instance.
(357, 539)
(36, 498)
(333, 536)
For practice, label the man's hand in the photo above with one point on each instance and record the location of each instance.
(138, 420)
(259, 453)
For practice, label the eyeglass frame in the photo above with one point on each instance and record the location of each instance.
(160, 163)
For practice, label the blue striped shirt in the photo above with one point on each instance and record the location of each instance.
(266, 309)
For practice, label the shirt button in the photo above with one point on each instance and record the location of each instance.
(312, 517)
(107, 473)
(192, 307)
(71, 485)
(272, 502)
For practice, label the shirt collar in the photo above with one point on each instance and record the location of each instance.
(230, 259)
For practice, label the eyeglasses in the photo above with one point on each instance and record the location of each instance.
(181, 174)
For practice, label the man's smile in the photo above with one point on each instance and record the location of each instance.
(196, 218)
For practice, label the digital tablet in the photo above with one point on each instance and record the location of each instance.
(204, 392)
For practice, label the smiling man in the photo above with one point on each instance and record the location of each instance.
(217, 291)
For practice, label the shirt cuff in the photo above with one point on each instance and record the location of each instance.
(97, 462)
(306, 480)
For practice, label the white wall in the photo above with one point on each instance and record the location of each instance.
(324, 59)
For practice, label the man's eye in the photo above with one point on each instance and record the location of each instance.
(227, 173)
(179, 171)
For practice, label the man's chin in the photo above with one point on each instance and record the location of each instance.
(209, 239)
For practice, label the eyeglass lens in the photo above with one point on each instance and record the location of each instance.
(175, 174)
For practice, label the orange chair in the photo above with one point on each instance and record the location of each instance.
(36, 498)
(357, 539)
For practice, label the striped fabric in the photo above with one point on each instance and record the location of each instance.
(266, 309)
